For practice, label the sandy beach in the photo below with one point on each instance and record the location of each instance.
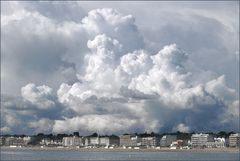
(206, 150)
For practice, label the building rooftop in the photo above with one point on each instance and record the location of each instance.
(237, 134)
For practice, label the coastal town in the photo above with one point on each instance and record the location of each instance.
(152, 140)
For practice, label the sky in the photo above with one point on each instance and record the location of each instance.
(119, 67)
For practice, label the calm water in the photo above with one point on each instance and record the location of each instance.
(52, 155)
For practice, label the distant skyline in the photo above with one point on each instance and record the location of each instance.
(116, 67)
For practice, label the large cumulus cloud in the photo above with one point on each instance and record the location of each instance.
(96, 72)
(165, 85)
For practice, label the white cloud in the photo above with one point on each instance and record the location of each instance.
(41, 96)
(219, 89)
(163, 77)
(103, 124)
(131, 65)
(233, 109)
(54, 10)
(109, 73)
(12, 120)
(182, 128)
(42, 125)
(119, 26)
(5, 129)
(166, 74)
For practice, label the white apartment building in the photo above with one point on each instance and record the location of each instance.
(72, 141)
(128, 140)
(201, 139)
(150, 141)
(234, 140)
(104, 141)
(94, 141)
(108, 141)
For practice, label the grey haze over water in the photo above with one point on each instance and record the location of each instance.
(117, 67)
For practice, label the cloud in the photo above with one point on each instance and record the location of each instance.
(119, 26)
(41, 96)
(34, 54)
(182, 128)
(167, 71)
(54, 10)
(205, 34)
(32, 112)
(53, 47)
(5, 129)
(12, 120)
(218, 87)
(164, 78)
(103, 72)
(103, 124)
(41, 126)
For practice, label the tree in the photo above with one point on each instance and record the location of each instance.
(76, 133)
(94, 135)
(40, 134)
(222, 134)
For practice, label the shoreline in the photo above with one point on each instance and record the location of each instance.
(194, 150)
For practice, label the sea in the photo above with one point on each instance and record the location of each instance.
(68, 155)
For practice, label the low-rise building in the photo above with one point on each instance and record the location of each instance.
(94, 141)
(128, 140)
(136, 140)
(72, 141)
(2, 141)
(51, 142)
(45, 141)
(104, 141)
(91, 141)
(150, 141)
(27, 139)
(234, 140)
(201, 140)
(179, 144)
(109, 140)
(167, 140)
(14, 141)
(114, 140)
(86, 141)
(125, 140)
(174, 145)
